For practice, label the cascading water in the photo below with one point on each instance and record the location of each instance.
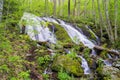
(97, 39)
(37, 29)
(75, 35)
(85, 65)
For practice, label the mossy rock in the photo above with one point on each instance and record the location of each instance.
(87, 52)
(104, 55)
(71, 66)
(87, 32)
(111, 72)
(61, 33)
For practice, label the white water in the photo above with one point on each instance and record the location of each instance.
(76, 35)
(107, 63)
(37, 30)
(85, 65)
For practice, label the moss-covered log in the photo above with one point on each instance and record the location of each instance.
(107, 50)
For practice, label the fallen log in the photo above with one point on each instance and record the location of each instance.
(107, 50)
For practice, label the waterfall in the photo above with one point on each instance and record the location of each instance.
(1, 9)
(37, 29)
(85, 65)
(76, 35)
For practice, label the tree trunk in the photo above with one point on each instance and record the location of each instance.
(68, 8)
(85, 8)
(1, 9)
(60, 5)
(94, 12)
(116, 14)
(78, 8)
(100, 18)
(74, 11)
(104, 21)
(45, 7)
(108, 21)
(54, 7)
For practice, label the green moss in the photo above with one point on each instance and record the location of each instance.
(86, 52)
(67, 63)
(63, 75)
(104, 54)
(61, 34)
(89, 33)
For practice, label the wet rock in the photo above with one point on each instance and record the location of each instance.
(92, 64)
(67, 63)
(117, 64)
(61, 34)
(68, 45)
(42, 43)
(103, 54)
(112, 72)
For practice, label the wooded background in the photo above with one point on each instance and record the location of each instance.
(102, 14)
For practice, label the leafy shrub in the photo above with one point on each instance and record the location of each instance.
(63, 75)
(43, 60)
(24, 75)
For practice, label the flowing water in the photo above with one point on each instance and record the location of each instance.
(76, 35)
(37, 29)
(85, 65)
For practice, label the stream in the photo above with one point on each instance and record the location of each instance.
(36, 28)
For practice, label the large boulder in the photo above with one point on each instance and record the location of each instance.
(113, 72)
(70, 65)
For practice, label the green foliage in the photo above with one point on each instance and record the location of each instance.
(14, 47)
(46, 76)
(24, 75)
(14, 59)
(14, 78)
(68, 64)
(104, 55)
(61, 34)
(63, 75)
(72, 54)
(6, 46)
(43, 60)
(100, 62)
(117, 44)
(86, 53)
(4, 68)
